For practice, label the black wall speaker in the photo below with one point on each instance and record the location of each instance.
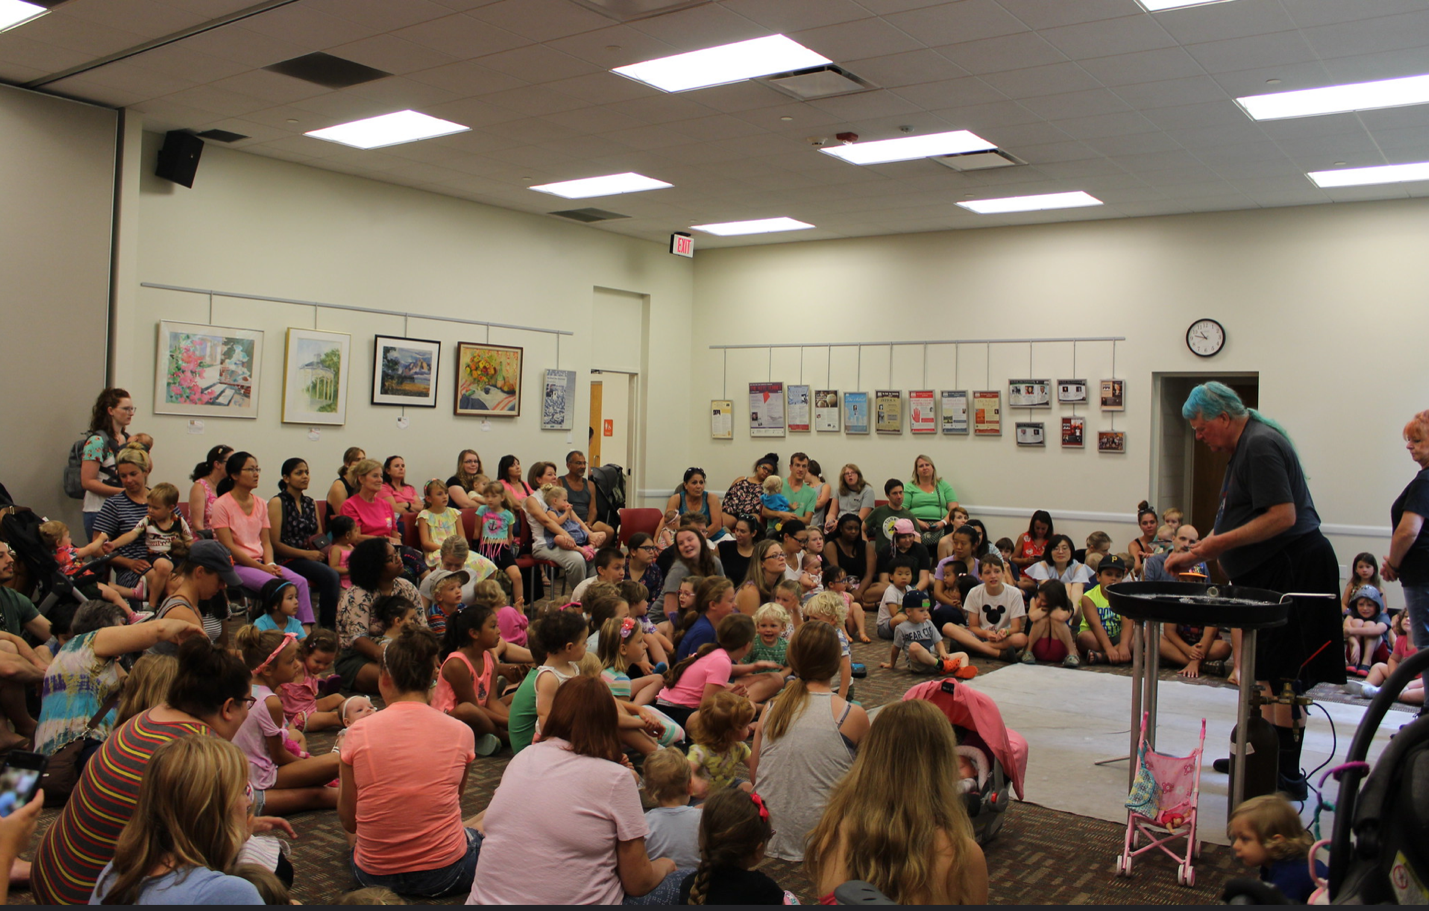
(178, 159)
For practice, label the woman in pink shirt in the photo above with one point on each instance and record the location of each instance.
(373, 513)
(565, 825)
(396, 490)
(689, 684)
(239, 520)
(403, 772)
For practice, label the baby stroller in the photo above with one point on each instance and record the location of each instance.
(998, 755)
(1165, 798)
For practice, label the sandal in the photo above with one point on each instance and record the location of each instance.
(1095, 657)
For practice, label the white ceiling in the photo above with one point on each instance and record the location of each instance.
(1095, 95)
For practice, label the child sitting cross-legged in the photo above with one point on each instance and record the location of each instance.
(674, 824)
(831, 609)
(466, 687)
(637, 596)
(489, 593)
(521, 724)
(836, 580)
(1413, 693)
(310, 701)
(622, 642)
(445, 588)
(919, 640)
(720, 731)
(1192, 647)
(1365, 628)
(277, 608)
(734, 830)
(995, 614)
(890, 612)
(771, 625)
(1102, 637)
(602, 602)
(1051, 633)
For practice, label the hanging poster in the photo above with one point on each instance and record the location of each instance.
(888, 411)
(558, 407)
(721, 419)
(209, 371)
(798, 410)
(922, 411)
(1071, 391)
(1074, 431)
(766, 409)
(316, 368)
(987, 413)
(1111, 441)
(404, 371)
(1029, 393)
(856, 412)
(826, 410)
(1031, 433)
(488, 380)
(1113, 395)
(955, 411)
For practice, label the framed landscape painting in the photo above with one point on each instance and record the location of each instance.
(209, 371)
(315, 373)
(488, 380)
(404, 371)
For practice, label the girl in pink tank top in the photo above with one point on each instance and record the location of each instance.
(464, 684)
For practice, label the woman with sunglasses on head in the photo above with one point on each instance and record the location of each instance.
(692, 497)
(375, 569)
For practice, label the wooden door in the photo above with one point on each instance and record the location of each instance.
(593, 457)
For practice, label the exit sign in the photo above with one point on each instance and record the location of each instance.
(682, 245)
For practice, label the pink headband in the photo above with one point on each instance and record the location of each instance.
(627, 627)
(287, 637)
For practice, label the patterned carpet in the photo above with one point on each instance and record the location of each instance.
(1041, 856)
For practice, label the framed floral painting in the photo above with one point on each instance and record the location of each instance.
(212, 371)
(488, 380)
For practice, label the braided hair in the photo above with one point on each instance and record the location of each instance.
(734, 826)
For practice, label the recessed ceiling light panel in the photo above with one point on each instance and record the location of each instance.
(1156, 6)
(1358, 177)
(1031, 203)
(18, 12)
(754, 226)
(388, 130)
(609, 185)
(724, 64)
(954, 142)
(1338, 99)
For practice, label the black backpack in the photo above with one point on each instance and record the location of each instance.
(73, 488)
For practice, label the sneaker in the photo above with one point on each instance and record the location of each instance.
(1368, 690)
(487, 744)
(857, 670)
(1028, 657)
(966, 672)
(1071, 661)
(1354, 688)
(139, 616)
(1361, 671)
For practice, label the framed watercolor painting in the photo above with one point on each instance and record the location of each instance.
(316, 367)
(404, 371)
(209, 371)
(488, 380)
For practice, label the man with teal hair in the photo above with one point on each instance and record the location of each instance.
(1267, 535)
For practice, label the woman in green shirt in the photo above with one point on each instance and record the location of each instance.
(930, 499)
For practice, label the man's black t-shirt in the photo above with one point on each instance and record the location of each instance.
(1264, 471)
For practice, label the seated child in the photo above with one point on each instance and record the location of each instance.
(466, 687)
(602, 602)
(352, 710)
(622, 647)
(674, 825)
(609, 564)
(56, 535)
(1102, 637)
(1191, 647)
(1266, 832)
(562, 636)
(919, 640)
(498, 537)
(1413, 693)
(160, 529)
(773, 497)
(392, 613)
(665, 532)
(900, 578)
(995, 613)
(1005, 548)
(771, 628)
(1098, 542)
(1051, 632)
(637, 596)
(305, 706)
(788, 594)
(720, 731)
(734, 829)
(830, 608)
(1171, 518)
(836, 580)
(489, 592)
(444, 587)
(344, 536)
(1365, 627)
(277, 608)
(558, 507)
(813, 566)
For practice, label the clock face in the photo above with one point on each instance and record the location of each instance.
(1205, 337)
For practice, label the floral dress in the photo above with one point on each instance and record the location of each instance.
(743, 498)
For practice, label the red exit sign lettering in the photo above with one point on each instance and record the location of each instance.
(682, 245)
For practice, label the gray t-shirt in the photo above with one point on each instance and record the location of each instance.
(853, 502)
(580, 499)
(679, 572)
(1264, 471)
(674, 833)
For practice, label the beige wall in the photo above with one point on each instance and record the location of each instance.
(57, 174)
(1326, 303)
(260, 226)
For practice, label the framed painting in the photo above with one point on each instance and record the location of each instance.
(558, 404)
(209, 371)
(315, 375)
(488, 380)
(404, 371)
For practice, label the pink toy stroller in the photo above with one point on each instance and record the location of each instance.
(1163, 806)
(998, 755)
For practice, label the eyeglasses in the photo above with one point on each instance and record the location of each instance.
(253, 468)
(778, 556)
(247, 701)
(130, 410)
(803, 540)
(647, 547)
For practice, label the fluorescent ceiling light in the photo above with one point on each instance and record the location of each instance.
(954, 142)
(755, 226)
(1358, 177)
(609, 185)
(1338, 99)
(1031, 203)
(388, 130)
(1156, 6)
(18, 12)
(724, 64)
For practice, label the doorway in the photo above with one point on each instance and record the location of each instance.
(1185, 473)
(613, 397)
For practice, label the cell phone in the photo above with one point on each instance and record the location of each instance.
(19, 780)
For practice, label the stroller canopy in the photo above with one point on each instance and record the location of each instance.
(968, 708)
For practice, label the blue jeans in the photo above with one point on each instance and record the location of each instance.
(324, 580)
(449, 880)
(1416, 601)
(667, 893)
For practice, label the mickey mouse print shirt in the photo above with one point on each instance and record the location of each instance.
(996, 612)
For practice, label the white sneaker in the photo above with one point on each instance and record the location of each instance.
(1071, 661)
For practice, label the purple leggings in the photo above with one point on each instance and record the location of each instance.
(255, 579)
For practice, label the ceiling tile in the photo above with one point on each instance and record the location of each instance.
(791, 15)
(588, 120)
(137, 16)
(708, 25)
(17, 49)
(661, 108)
(1013, 137)
(953, 23)
(1055, 152)
(740, 96)
(216, 100)
(615, 45)
(1188, 116)
(1142, 66)
(1172, 92)
(381, 14)
(908, 68)
(854, 40)
(980, 117)
(1041, 81)
(79, 34)
(951, 93)
(1076, 104)
(1194, 24)
(1371, 36)
(648, 137)
(462, 37)
(1385, 64)
(884, 7)
(1134, 144)
(540, 20)
(1394, 118)
(866, 105)
(394, 55)
(468, 77)
(1006, 52)
(602, 88)
(233, 42)
(1257, 81)
(1252, 52)
(1042, 14)
(1110, 37)
(1211, 137)
(536, 63)
(472, 112)
(1310, 13)
(302, 25)
(533, 100)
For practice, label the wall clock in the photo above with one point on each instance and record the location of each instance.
(1206, 337)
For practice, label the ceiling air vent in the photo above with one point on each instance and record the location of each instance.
(221, 135)
(588, 215)
(816, 82)
(327, 71)
(979, 161)
(629, 10)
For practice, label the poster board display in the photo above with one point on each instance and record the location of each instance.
(987, 413)
(1029, 393)
(1031, 433)
(922, 411)
(1113, 394)
(888, 411)
(826, 410)
(721, 419)
(766, 409)
(1074, 432)
(1071, 392)
(955, 411)
(797, 410)
(856, 412)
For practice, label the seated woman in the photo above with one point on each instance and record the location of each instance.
(373, 513)
(871, 817)
(346, 483)
(196, 592)
(745, 496)
(931, 500)
(404, 770)
(205, 477)
(464, 487)
(397, 491)
(591, 855)
(375, 570)
(1058, 563)
(693, 558)
(188, 827)
(692, 497)
(508, 472)
(299, 521)
(549, 540)
(241, 524)
(121, 512)
(856, 497)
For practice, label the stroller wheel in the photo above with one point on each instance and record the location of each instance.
(1123, 865)
(1185, 875)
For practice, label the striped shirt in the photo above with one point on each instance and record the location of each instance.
(118, 516)
(75, 849)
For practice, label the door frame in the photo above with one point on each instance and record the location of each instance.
(635, 437)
